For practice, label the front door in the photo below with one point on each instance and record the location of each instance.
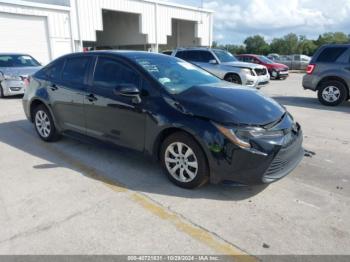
(109, 115)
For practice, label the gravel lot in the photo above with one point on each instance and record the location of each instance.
(77, 198)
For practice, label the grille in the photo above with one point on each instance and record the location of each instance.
(260, 72)
(286, 158)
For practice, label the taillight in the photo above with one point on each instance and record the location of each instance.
(310, 69)
(26, 82)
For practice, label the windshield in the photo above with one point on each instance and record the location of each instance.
(18, 61)
(225, 56)
(174, 74)
(266, 60)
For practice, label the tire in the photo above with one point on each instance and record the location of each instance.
(332, 93)
(1, 92)
(44, 124)
(274, 74)
(194, 167)
(233, 78)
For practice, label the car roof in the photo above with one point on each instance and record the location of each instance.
(198, 49)
(14, 54)
(123, 53)
(336, 45)
(252, 55)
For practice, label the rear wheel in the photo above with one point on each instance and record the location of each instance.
(44, 124)
(184, 161)
(332, 93)
(233, 78)
(1, 92)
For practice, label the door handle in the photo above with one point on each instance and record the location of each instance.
(54, 87)
(91, 98)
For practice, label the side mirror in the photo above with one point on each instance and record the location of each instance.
(213, 62)
(128, 90)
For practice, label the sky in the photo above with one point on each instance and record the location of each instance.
(237, 19)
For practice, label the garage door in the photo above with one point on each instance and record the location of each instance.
(25, 34)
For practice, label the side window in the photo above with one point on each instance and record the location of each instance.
(200, 56)
(51, 72)
(248, 59)
(75, 69)
(110, 73)
(256, 61)
(206, 56)
(55, 70)
(331, 54)
(182, 55)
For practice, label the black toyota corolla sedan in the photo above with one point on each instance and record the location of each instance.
(200, 128)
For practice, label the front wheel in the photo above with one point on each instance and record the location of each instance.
(44, 124)
(233, 79)
(332, 93)
(184, 161)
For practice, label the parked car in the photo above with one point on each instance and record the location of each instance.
(329, 74)
(294, 62)
(276, 70)
(14, 71)
(225, 66)
(200, 127)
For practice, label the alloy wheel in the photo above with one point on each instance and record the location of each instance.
(181, 162)
(42, 123)
(331, 94)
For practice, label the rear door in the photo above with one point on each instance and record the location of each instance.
(111, 116)
(67, 94)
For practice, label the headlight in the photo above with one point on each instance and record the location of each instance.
(242, 136)
(247, 71)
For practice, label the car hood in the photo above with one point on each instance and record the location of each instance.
(230, 104)
(243, 64)
(19, 71)
(280, 66)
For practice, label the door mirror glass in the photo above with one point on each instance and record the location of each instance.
(213, 62)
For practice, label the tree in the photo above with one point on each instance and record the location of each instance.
(333, 38)
(257, 45)
(306, 46)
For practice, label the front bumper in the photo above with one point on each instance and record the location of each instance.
(279, 73)
(13, 87)
(257, 81)
(249, 167)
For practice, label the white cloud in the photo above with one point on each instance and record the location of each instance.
(237, 19)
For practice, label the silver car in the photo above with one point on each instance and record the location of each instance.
(225, 66)
(14, 71)
(294, 62)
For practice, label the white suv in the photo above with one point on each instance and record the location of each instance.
(225, 66)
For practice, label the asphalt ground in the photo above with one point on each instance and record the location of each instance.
(72, 197)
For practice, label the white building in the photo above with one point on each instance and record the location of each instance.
(47, 29)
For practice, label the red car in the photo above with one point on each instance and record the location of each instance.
(277, 71)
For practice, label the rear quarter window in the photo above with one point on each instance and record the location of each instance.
(331, 54)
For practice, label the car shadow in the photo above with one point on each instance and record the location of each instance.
(110, 164)
(310, 102)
